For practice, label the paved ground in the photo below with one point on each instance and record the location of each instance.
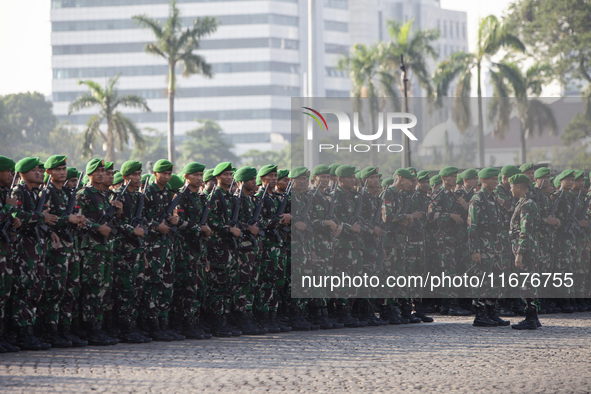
(448, 355)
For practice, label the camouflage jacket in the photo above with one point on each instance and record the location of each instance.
(563, 211)
(344, 210)
(130, 201)
(441, 207)
(393, 214)
(190, 209)
(93, 205)
(483, 223)
(57, 203)
(155, 205)
(524, 227)
(6, 210)
(322, 239)
(506, 205)
(218, 219)
(26, 201)
(417, 230)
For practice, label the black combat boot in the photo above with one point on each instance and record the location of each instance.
(387, 314)
(247, 325)
(190, 329)
(491, 313)
(296, 320)
(275, 323)
(28, 341)
(170, 332)
(4, 344)
(407, 312)
(319, 319)
(344, 317)
(95, 335)
(156, 332)
(201, 329)
(55, 339)
(220, 327)
(66, 332)
(398, 314)
(531, 319)
(481, 319)
(128, 335)
(456, 310)
(420, 313)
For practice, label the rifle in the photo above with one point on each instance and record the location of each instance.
(556, 203)
(235, 212)
(170, 209)
(204, 215)
(330, 215)
(572, 223)
(357, 213)
(138, 219)
(304, 217)
(8, 222)
(280, 210)
(70, 209)
(41, 227)
(109, 216)
(256, 216)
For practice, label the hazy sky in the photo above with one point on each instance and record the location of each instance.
(25, 40)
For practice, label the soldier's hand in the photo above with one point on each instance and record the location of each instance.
(206, 230)
(104, 230)
(356, 228)
(117, 204)
(519, 261)
(73, 219)
(285, 219)
(138, 231)
(163, 228)
(476, 258)
(11, 201)
(417, 214)
(331, 224)
(463, 203)
(55, 240)
(174, 220)
(235, 231)
(408, 221)
(338, 231)
(49, 218)
(301, 226)
(377, 231)
(16, 223)
(253, 229)
(584, 223)
(456, 218)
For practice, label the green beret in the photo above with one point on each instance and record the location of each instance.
(470, 173)
(423, 175)
(41, 165)
(333, 168)
(458, 178)
(565, 174)
(245, 174)
(163, 165)
(555, 181)
(118, 178)
(358, 175)
(299, 171)
(269, 168)
(541, 172)
(447, 171)
(436, 180)
(26, 164)
(144, 177)
(193, 167)
(282, 174)
(579, 174)
(55, 161)
(412, 170)
(72, 173)
(368, 171)
(509, 171)
(45, 177)
(526, 167)
(321, 170)
(234, 169)
(259, 182)
(109, 165)
(403, 172)
(6, 164)
(153, 179)
(175, 183)
(93, 165)
(344, 171)
(500, 177)
(225, 166)
(131, 166)
(519, 179)
(387, 182)
(85, 180)
(488, 172)
(207, 175)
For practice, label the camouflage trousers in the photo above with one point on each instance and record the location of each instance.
(564, 260)
(581, 271)
(189, 290)
(6, 274)
(219, 288)
(159, 279)
(126, 267)
(29, 276)
(245, 265)
(56, 279)
(95, 283)
(267, 294)
(69, 311)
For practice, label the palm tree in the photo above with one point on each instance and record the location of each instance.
(533, 114)
(177, 45)
(492, 36)
(119, 126)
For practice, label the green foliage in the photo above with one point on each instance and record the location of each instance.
(26, 116)
(206, 144)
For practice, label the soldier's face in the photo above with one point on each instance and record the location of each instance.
(449, 181)
(109, 175)
(72, 182)
(225, 179)
(567, 183)
(373, 181)
(490, 184)
(248, 187)
(98, 176)
(162, 178)
(518, 190)
(347, 182)
(195, 179)
(424, 186)
(470, 183)
(34, 177)
(210, 184)
(270, 179)
(301, 183)
(58, 174)
(135, 179)
(6, 178)
(322, 180)
(282, 184)
(545, 180)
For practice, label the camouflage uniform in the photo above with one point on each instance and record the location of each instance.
(6, 259)
(506, 206)
(69, 313)
(564, 240)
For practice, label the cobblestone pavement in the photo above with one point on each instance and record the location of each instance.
(448, 355)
